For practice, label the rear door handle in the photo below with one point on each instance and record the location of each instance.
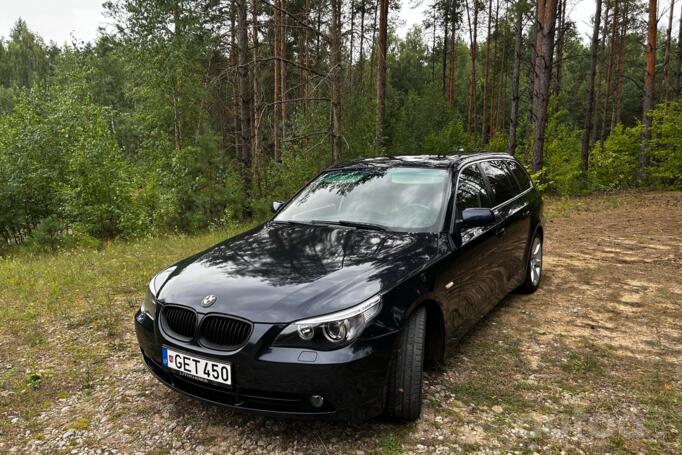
(500, 230)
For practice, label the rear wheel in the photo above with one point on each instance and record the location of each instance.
(534, 267)
(404, 394)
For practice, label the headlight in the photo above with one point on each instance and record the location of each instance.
(331, 331)
(149, 305)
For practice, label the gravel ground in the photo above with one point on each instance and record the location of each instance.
(590, 363)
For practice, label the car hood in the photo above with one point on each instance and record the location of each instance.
(279, 273)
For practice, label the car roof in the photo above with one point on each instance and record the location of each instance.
(432, 161)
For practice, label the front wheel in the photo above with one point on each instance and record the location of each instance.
(534, 267)
(404, 394)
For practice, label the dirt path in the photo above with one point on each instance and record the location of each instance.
(590, 363)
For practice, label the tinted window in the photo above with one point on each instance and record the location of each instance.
(520, 174)
(471, 190)
(500, 180)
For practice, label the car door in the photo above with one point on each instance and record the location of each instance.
(467, 281)
(513, 217)
(520, 223)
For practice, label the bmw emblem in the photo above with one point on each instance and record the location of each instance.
(208, 300)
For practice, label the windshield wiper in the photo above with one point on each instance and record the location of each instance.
(299, 223)
(355, 224)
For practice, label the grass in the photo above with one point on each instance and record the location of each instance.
(87, 297)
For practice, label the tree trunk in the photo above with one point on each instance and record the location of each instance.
(516, 75)
(501, 116)
(649, 92)
(453, 63)
(336, 79)
(600, 71)
(620, 67)
(244, 89)
(433, 46)
(473, 35)
(283, 66)
(256, 153)
(304, 57)
(486, 79)
(561, 39)
(361, 57)
(589, 103)
(678, 71)
(446, 37)
(381, 71)
(495, 84)
(666, 57)
(544, 49)
(276, 85)
(373, 41)
(234, 60)
(609, 71)
(351, 48)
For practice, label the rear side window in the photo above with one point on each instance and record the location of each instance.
(471, 190)
(501, 180)
(520, 174)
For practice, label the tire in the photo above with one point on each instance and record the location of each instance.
(533, 267)
(404, 394)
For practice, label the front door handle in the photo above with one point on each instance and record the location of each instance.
(500, 230)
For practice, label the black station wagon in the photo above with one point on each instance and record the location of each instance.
(333, 307)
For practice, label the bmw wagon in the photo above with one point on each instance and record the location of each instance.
(334, 307)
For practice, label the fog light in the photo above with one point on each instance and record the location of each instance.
(317, 401)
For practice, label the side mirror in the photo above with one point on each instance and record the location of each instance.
(276, 205)
(477, 217)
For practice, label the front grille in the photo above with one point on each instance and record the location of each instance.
(180, 322)
(222, 332)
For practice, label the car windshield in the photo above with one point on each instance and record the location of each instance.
(406, 199)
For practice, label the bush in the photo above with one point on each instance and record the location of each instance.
(615, 165)
(666, 145)
(563, 174)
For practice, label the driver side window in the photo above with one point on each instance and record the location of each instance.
(471, 190)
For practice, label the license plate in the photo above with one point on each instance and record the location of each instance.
(196, 367)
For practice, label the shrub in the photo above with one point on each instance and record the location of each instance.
(615, 165)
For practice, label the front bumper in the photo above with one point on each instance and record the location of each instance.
(280, 381)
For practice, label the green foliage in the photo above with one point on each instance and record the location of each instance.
(450, 139)
(136, 133)
(562, 156)
(666, 147)
(614, 166)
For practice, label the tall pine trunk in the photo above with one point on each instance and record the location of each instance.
(609, 70)
(516, 76)
(381, 71)
(256, 154)
(336, 72)
(620, 66)
(649, 91)
(668, 49)
(589, 103)
(276, 85)
(486, 79)
(244, 89)
(600, 71)
(544, 52)
(678, 70)
(473, 35)
(453, 65)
